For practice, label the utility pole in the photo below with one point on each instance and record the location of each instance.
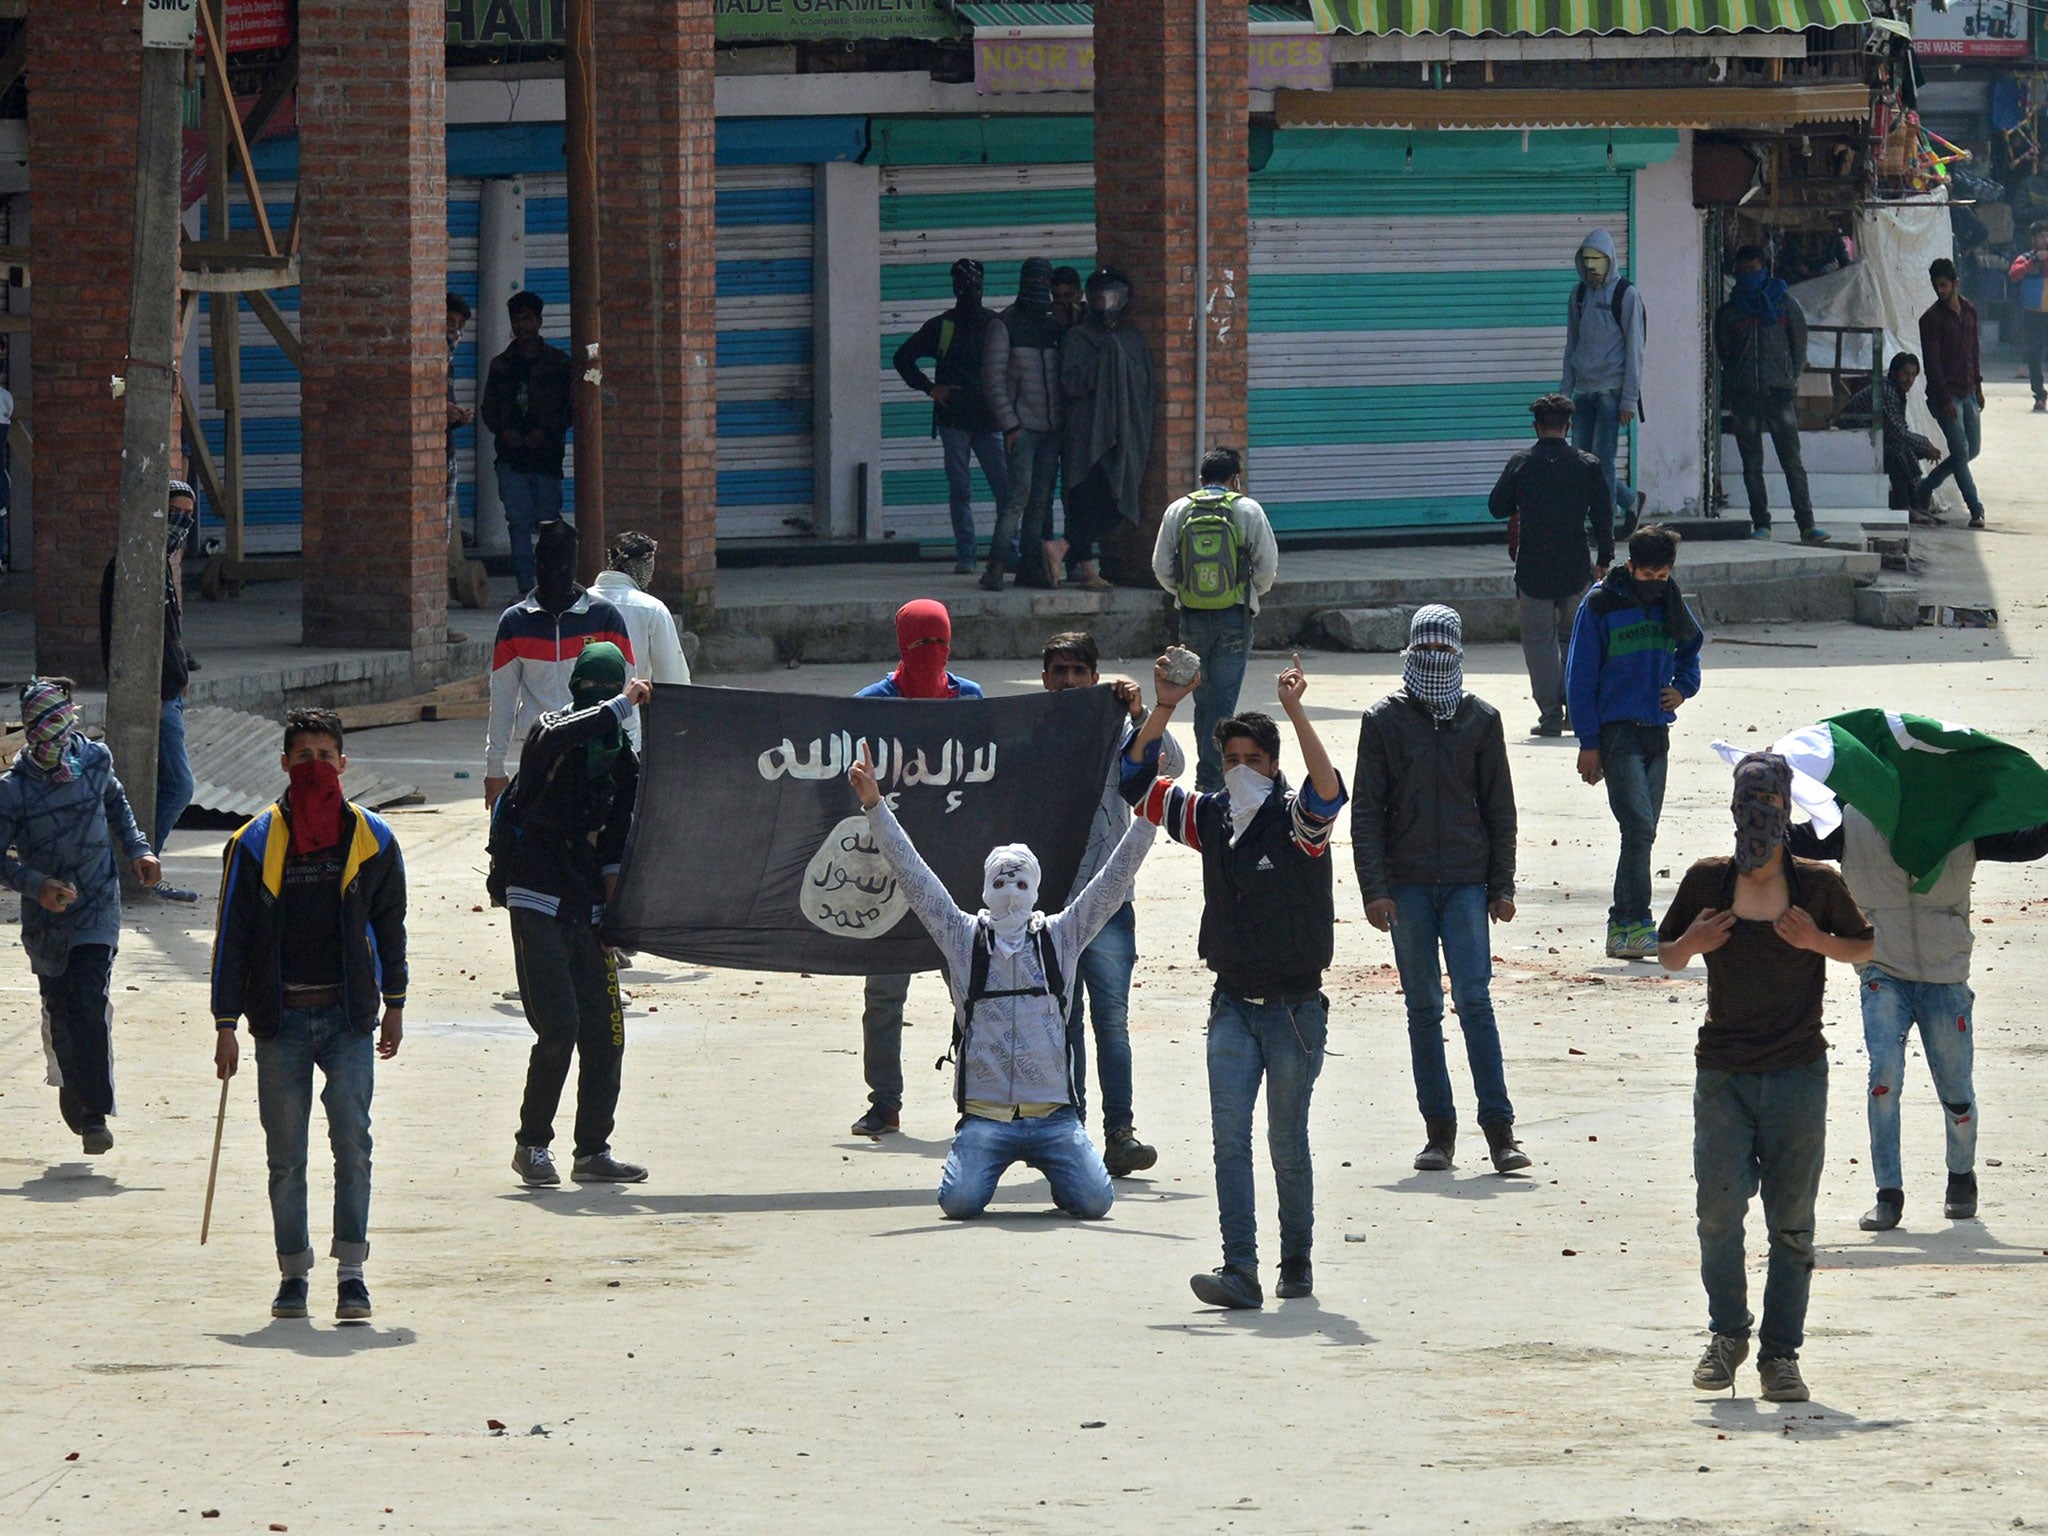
(135, 662)
(586, 287)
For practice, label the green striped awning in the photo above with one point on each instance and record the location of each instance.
(1538, 18)
(1078, 15)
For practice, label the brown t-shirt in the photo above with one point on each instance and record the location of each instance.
(1763, 996)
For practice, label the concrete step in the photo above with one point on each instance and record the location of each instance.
(1850, 452)
(1827, 491)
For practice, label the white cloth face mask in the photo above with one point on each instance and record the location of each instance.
(1009, 890)
(1248, 791)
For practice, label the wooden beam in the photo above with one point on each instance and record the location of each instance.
(274, 322)
(277, 89)
(217, 76)
(202, 456)
(250, 275)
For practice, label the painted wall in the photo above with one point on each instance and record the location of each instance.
(1667, 267)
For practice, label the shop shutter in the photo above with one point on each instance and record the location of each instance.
(1400, 325)
(932, 215)
(764, 352)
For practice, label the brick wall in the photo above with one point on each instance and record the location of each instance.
(85, 69)
(1145, 223)
(374, 258)
(656, 183)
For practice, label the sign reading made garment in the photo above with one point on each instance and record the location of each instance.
(528, 23)
(1017, 65)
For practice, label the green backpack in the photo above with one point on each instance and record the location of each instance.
(1212, 574)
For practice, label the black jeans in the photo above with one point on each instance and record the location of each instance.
(1091, 513)
(570, 989)
(78, 1036)
(1776, 413)
(2034, 342)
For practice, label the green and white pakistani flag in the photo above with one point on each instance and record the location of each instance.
(1927, 785)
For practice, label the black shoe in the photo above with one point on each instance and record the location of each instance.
(1435, 1156)
(351, 1302)
(1960, 1203)
(1976, 519)
(1507, 1153)
(1883, 1216)
(1228, 1287)
(1297, 1279)
(992, 579)
(174, 893)
(1126, 1155)
(96, 1138)
(291, 1297)
(603, 1168)
(877, 1123)
(1547, 727)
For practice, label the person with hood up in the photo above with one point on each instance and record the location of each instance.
(1020, 376)
(961, 418)
(924, 645)
(1760, 337)
(539, 639)
(1603, 365)
(1010, 968)
(64, 819)
(1767, 924)
(1106, 373)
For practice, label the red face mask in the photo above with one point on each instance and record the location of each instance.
(316, 801)
(924, 639)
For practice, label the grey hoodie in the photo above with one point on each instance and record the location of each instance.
(1598, 354)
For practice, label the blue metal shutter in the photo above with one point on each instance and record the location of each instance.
(765, 373)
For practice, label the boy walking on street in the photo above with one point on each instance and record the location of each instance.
(1547, 495)
(310, 941)
(64, 820)
(1635, 659)
(1955, 383)
(1433, 838)
(1768, 924)
(1268, 932)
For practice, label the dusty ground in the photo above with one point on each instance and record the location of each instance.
(777, 1333)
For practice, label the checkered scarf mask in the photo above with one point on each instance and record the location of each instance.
(49, 717)
(1437, 678)
(1760, 827)
(181, 521)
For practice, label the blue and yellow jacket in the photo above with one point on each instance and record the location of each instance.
(1624, 654)
(248, 979)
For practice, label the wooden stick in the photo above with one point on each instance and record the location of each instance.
(220, 1121)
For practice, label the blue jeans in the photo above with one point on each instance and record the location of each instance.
(305, 1038)
(1964, 433)
(1283, 1043)
(958, 444)
(530, 500)
(173, 771)
(1891, 1008)
(1634, 759)
(1450, 918)
(1222, 637)
(1596, 429)
(1754, 1130)
(1024, 514)
(1056, 1145)
(1102, 981)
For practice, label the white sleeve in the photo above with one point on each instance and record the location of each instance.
(1172, 761)
(1074, 927)
(505, 681)
(951, 929)
(666, 663)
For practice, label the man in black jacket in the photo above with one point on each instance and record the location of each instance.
(527, 409)
(557, 837)
(311, 936)
(1433, 838)
(961, 418)
(1547, 494)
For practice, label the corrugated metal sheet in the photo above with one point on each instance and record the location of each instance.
(1703, 106)
(765, 366)
(1537, 18)
(234, 765)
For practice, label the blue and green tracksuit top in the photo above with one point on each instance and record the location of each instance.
(1624, 656)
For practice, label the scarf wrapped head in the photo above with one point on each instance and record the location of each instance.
(1761, 295)
(1761, 827)
(924, 641)
(633, 555)
(598, 677)
(1436, 678)
(1034, 285)
(183, 521)
(1009, 892)
(315, 800)
(49, 718)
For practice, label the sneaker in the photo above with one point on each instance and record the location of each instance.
(174, 893)
(1716, 1370)
(992, 579)
(1976, 519)
(1617, 939)
(1547, 727)
(963, 567)
(1507, 1153)
(1883, 1216)
(351, 1302)
(1959, 1204)
(1297, 1279)
(536, 1165)
(291, 1297)
(1437, 1150)
(1641, 943)
(1760, 533)
(877, 1123)
(603, 1168)
(1781, 1381)
(1228, 1287)
(1126, 1155)
(2040, 405)
(97, 1139)
(1815, 536)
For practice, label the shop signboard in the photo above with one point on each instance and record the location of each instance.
(1973, 29)
(1035, 61)
(811, 21)
(505, 23)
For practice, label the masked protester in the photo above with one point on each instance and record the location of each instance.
(1106, 373)
(1433, 839)
(1603, 367)
(1767, 924)
(1020, 376)
(924, 642)
(657, 650)
(539, 639)
(1268, 933)
(962, 419)
(1010, 968)
(1760, 338)
(64, 821)
(310, 940)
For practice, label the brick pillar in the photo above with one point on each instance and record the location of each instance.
(1145, 224)
(85, 66)
(373, 185)
(656, 180)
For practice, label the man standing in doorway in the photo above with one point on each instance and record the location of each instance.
(961, 418)
(2030, 272)
(1955, 383)
(526, 409)
(1020, 375)
(1760, 337)
(1106, 372)
(1603, 366)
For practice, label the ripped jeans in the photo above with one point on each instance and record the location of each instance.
(1891, 1008)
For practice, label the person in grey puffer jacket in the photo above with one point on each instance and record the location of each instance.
(1020, 378)
(1012, 1078)
(1920, 975)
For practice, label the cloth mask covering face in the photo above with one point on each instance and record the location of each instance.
(50, 721)
(967, 283)
(1761, 827)
(554, 568)
(1009, 891)
(598, 677)
(315, 801)
(1249, 790)
(639, 569)
(1594, 266)
(1034, 286)
(1436, 677)
(924, 641)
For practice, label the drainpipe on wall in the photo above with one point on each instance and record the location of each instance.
(1201, 233)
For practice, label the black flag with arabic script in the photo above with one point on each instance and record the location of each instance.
(749, 849)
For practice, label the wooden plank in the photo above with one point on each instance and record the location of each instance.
(202, 456)
(277, 90)
(266, 310)
(236, 275)
(217, 75)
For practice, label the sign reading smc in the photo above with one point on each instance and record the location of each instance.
(169, 23)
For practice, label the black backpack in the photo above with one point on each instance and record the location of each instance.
(1614, 304)
(977, 989)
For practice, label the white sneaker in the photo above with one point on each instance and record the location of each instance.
(536, 1165)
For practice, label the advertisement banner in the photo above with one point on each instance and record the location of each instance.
(1006, 66)
(505, 23)
(810, 21)
(1973, 29)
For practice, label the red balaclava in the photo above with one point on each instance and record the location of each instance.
(924, 637)
(315, 799)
